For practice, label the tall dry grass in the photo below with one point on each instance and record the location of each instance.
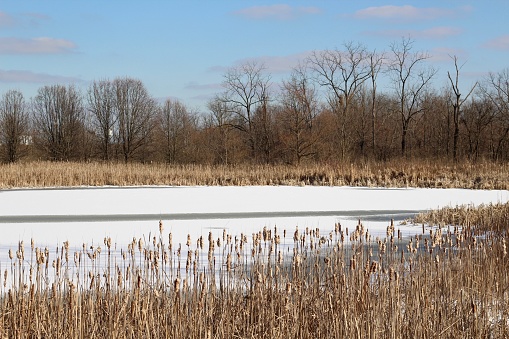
(440, 283)
(487, 175)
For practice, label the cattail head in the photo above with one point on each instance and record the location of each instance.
(229, 262)
(176, 285)
(352, 263)
(297, 259)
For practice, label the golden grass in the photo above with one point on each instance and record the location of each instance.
(486, 175)
(483, 218)
(272, 284)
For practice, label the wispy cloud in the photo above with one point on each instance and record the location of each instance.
(445, 54)
(406, 13)
(22, 76)
(30, 18)
(6, 20)
(274, 64)
(41, 45)
(431, 33)
(202, 87)
(276, 12)
(35, 19)
(502, 43)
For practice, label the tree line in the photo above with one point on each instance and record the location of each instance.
(330, 108)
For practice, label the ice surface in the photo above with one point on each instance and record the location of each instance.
(202, 209)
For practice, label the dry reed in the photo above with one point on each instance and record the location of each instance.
(444, 282)
(484, 175)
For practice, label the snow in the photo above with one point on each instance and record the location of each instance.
(198, 210)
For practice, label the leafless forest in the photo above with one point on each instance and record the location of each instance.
(339, 105)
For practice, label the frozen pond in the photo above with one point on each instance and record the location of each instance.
(87, 215)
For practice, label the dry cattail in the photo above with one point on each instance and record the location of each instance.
(297, 260)
(259, 278)
(352, 263)
(176, 285)
(228, 262)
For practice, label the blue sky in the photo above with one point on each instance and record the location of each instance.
(181, 49)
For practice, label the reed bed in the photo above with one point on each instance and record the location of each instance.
(413, 173)
(444, 282)
(484, 218)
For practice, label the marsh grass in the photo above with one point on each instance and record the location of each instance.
(413, 173)
(443, 282)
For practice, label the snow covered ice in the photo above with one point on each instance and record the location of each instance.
(87, 215)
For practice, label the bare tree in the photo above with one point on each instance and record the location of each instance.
(246, 88)
(264, 131)
(177, 124)
(477, 117)
(457, 102)
(410, 81)
(299, 110)
(101, 105)
(376, 61)
(221, 120)
(135, 109)
(59, 115)
(13, 126)
(342, 73)
(495, 88)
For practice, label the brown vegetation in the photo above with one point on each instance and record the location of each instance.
(485, 175)
(443, 282)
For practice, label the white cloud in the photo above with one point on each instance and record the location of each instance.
(431, 33)
(42, 45)
(501, 42)
(277, 12)
(22, 76)
(403, 13)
